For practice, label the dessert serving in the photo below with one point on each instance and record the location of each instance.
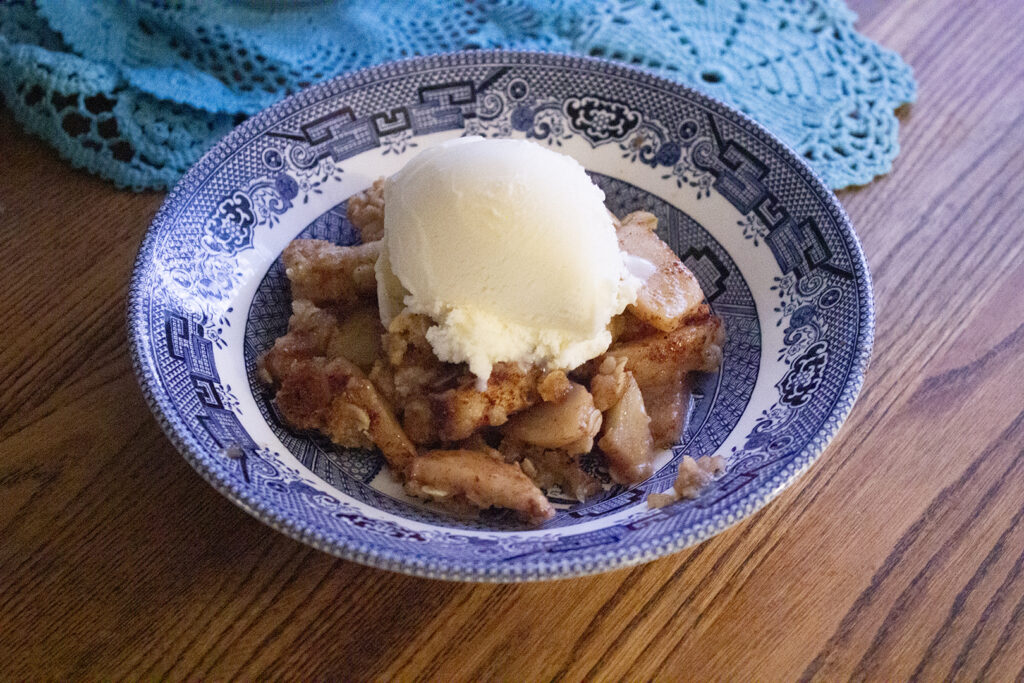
(495, 325)
(502, 263)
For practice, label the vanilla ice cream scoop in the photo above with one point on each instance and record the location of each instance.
(508, 247)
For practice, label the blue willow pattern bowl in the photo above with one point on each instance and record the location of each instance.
(773, 250)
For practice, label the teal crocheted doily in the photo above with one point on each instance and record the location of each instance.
(136, 90)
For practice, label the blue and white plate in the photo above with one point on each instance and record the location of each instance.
(772, 248)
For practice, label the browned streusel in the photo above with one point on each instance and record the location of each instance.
(414, 367)
(338, 371)
(609, 383)
(693, 476)
(329, 275)
(334, 397)
(554, 386)
(366, 212)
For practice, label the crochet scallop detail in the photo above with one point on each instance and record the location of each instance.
(136, 91)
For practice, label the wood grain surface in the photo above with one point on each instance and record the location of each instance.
(899, 555)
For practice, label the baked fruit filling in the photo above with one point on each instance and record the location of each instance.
(450, 439)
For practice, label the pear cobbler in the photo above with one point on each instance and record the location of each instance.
(495, 325)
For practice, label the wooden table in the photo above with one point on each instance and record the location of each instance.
(900, 553)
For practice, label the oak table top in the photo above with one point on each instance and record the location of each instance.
(899, 554)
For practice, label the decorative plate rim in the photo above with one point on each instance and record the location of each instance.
(196, 455)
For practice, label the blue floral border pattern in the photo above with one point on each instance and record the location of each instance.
(187, 271)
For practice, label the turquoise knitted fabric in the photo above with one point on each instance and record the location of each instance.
(136, 90)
